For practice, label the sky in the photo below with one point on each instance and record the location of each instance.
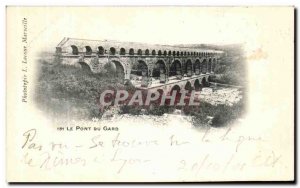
(154, 25)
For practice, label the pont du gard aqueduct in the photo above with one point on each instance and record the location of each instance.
(145, 66)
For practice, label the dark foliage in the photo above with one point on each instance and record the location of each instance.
(64, 90)
(221, 114)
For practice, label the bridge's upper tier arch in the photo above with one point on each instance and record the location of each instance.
(73, 46)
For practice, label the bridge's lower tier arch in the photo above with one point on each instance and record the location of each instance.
(197, 85)
(188, 86)
(115, 69)
(194, 83)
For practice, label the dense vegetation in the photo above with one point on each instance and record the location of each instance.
(64, 91)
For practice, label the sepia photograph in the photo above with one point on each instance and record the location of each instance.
(93, 79)
(158, 94)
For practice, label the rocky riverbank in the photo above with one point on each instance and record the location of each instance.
(226, 96)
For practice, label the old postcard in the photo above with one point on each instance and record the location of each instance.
(150, 94)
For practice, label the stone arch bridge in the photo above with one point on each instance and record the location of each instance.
(149, 67)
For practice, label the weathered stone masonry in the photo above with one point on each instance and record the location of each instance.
(145, 66)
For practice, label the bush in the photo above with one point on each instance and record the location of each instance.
(160, 110)
(134, 110)
(221, 114)
(66, 90)
(232, 67)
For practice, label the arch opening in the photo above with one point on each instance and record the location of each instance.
(175, 69)
(74, 50)
(204, 82)
(85, 66)
(201, 67)
(88, 50)
(153, 52)
(204, 66)
(213, 65)
(197, 67)
(112, 51)
(147, 52)
(189, 68)
(115, 69)
(197, 85)
(176, 89)
(139, 73)
(159, 71)
(210, 79)
(209, 66)
(131, 51)
(188, 87)
(100, 50)
(140, 52)
(159, 52)
(122, 51)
